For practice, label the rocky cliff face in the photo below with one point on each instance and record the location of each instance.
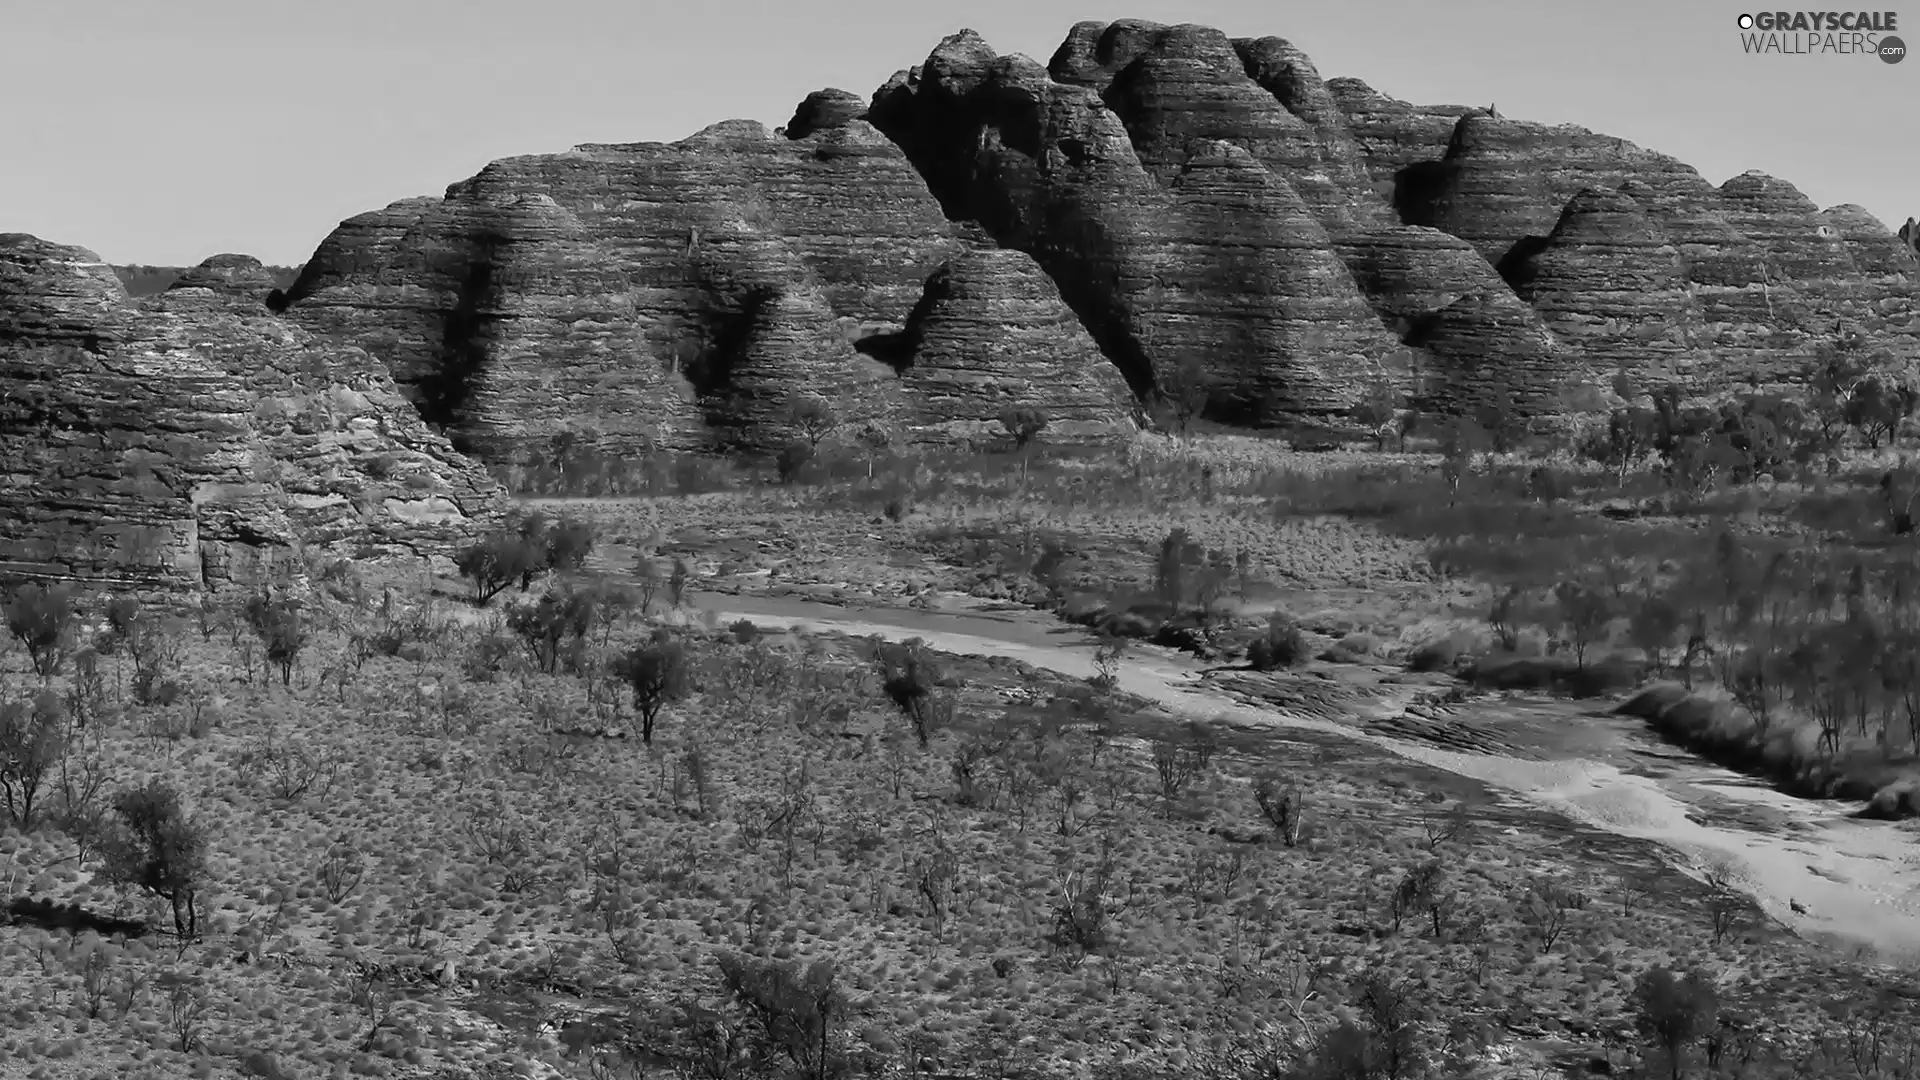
(194, 438)
(1179, 193)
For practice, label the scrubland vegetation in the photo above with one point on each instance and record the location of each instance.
(320, 833)
(536, 820)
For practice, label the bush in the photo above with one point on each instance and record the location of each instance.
(1434, 656)
(1283, 645)
(1552, 674)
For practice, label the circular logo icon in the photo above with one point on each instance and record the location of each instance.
(1892, 50)
(1746, 22)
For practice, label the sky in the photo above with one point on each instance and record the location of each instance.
(162, 133)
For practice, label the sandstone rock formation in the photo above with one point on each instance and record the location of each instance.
(1610, 285)
(180, 441)
(1168, 241)
(991, 332)
(240, 276)
(1189, 195)
(682, 293)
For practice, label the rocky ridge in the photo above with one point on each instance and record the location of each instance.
(1185, 196)
(195, 439)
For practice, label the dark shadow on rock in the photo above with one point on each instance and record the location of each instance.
(1417, 189)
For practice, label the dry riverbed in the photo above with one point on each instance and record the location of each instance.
(1857, 881)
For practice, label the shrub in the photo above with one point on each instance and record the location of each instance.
(1438, 655)
(791, 459)
(1282, 646)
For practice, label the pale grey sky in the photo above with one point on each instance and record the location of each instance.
(165, 132)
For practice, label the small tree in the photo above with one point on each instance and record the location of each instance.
(1178, 552)
(1499, 416)
(555, 628)
(1025, 425)
(1107, 657)
(796, 1010)
(910, 677)
(659, 672)
(1675, 1011)
(43, 619)
(1505, 616)
(1379, 408)
(1183, 393)
(158, 848)
(1462, 441)
(813, 418)
(1283, 806)
(493, 563)
(1584, 613)
(1392, 1014)
(877, 438)
(1283, 645)
(1876, 407)
(1653, 628)
(282, 629)
(33, 741)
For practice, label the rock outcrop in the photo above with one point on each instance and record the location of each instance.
(184, 441)
(990, 333)
(242, 277)
(1191, 197)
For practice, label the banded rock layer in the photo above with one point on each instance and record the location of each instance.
(1181, 195)
(182, 441)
